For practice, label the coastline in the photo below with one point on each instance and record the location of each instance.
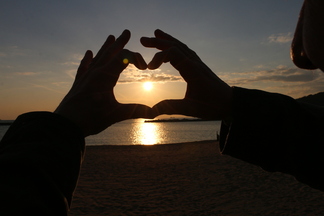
(5, 123)
(185, 179)
(176, 120)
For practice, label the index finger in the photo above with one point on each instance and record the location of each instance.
(162, 35)
(164, 41)
(109, 41)
(185, 107)
(157, 43)
(114, 48)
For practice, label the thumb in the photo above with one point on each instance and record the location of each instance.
(186, 107)
(170, 107)
(132, 111)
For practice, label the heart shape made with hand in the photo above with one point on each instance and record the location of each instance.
(91, 102)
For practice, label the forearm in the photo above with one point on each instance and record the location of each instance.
(277, 133)
(40, 158)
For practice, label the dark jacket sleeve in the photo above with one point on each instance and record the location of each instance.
(40, 158)
(277, 133)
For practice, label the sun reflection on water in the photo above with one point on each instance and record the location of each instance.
(136, 132)
(148, 134)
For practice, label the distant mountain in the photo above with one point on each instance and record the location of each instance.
(316, 99)
(176, 120)
(6, 122)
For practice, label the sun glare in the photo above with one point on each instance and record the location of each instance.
(148, 86)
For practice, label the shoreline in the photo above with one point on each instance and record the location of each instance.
(184, 179)
(180, 143)
(5, 123)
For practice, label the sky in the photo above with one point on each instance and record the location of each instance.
(246, 43)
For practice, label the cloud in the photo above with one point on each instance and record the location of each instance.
(27, 73)
(73, 60)
(13, 51)
(280, 38)
(132, 75)
(48, 88)
(259, 66)
(279, 74)
(290, 81)
(71, 63)
(71, 73)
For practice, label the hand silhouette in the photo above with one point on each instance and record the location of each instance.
(207, 96)
(91, 103)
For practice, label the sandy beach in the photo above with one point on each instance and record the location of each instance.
(185, 179)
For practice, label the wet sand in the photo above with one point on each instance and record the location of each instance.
(185, 179)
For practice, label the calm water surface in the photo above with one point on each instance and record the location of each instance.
(136, 132)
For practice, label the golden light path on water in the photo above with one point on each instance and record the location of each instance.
(147, 134)
(137, 132)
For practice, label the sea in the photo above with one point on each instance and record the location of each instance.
(139, 132)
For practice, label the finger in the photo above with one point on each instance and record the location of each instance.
(121, 41)
(109, 41)
(122, 59)
(137, 59)
(113, 68)
(161, 41)
(159, 36)
(164, 41)
(131, 111)
(111, 47)
(158, 59)
(184, 48)
(185, 107)
(162, 35)
(114, 48)
(171, 107)
(172, 55)
(85, 63)
(191, 71)
(156, 43)
(188, 69)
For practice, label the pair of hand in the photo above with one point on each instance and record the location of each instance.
(91, 103)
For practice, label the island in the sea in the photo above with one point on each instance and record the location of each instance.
(175, 120)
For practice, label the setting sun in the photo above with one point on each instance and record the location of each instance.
(148, 86)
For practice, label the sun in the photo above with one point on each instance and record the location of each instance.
(147, 86)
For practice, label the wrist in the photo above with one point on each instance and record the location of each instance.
(72, 114)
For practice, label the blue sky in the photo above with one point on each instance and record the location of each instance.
(245, 42)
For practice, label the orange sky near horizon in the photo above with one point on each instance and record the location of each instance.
(246, 43)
